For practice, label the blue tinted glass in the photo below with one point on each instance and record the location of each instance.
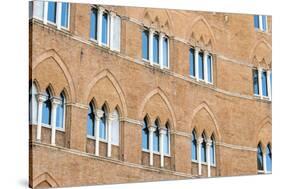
(264, 23)
(165, 52)
(256, 21)
(156, 140)
(103, 127)
(166, 143)
(191, 62)
(64, 14)
(156, 48)
(203, 151)
(91, 122)
(210, 69)
(194, 147)
(256, 82)
(201, 66)
(268, 159)
(145, 44)
(264, 84)
(52, 9)
(145, 136)
(104, 28)
(93, 24)
(60, 114)
(259, 158)
(212, 152)
(46, 110)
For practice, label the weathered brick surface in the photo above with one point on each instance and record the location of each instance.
(68, 61)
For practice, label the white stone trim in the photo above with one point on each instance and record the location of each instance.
(151, 130)
(99, 114)
(268, 72)
(236, 147)
(150, 41)
(99, 25)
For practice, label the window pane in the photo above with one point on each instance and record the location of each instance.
(93, 24)
(203, 151)
(60, 113)
(264, 84)
(64, 14)
(103, 127)
(145, 44)
(256, 82)
(256, 21)
(210, 69)
(156, 48)
(38, 8)
(264, 23)
(156, 140)
(52, 9)
(212, 152)
(104, 28)
(259, 158)
(165, 52)
(46, 111)
(191, 62)
(115, 129)
(166, 143)
(145, 136)
(91, 122)
(268, 159)
(194, 147)
(201, 66)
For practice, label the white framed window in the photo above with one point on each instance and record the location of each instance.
(262, 83)
(33, 104)
(260, 22)
(52, 12)
(60, 113)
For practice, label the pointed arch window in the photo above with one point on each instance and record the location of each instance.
(60, 119)
(91, 121)
(268, 159)
(166, 140)
(212, 151)
(203, 149)
(156, 142)
(194, 146)
(260, 158)
(145, 135)
(47, 107)
(103, 124)
(33, 104)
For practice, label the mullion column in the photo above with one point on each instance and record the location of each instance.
(260, 22)
(55, 103)
(99, 25)
(199, 142)
(161, 37)
(45, 13)
(58, 15)
(151, 130)
(111, 118)
(162, 132)
(264, 161)
(205, 62)
(112, 16)
(41, 98)
(151, 32)
(208, 144)
(99, 114)
(268, 84)
(260, 81)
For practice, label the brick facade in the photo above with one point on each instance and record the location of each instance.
(66, 60)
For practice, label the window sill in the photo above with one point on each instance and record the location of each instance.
(203, 163)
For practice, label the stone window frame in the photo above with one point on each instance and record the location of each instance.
(260, 21)
(264, 159)
(260, 84)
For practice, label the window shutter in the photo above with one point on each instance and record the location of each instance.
(116, 33)
(38, 8)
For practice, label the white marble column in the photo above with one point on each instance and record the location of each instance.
(260, 22)
(58, 15)
(162, 132)
(112, 116)
(196, 63)
(199, 142)
(205, 62)
(45, 13)
(151, 32)
(99, 25)
(41, 98)
(208, 147)
(268, 84)
(151, 130)
(161, 38)
(111, 31)
(55, 103)
(264, 161)
(260, 81)
(98, 114)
